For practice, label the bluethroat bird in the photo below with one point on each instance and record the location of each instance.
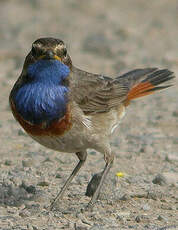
(70, 110)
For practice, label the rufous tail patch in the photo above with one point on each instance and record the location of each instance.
(140, 90)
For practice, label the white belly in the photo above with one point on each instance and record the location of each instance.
(87, 135)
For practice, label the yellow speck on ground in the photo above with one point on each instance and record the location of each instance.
(120, 174)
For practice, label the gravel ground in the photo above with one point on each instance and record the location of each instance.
(107, 37)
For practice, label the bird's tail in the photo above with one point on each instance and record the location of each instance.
(142, 82)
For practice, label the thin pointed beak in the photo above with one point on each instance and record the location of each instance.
(49, 54)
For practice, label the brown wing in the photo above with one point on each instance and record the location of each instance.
(96, 93)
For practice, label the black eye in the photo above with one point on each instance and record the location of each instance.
(65, 52)
(34, 52)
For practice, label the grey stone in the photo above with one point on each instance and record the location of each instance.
(93, 184)
(27, 163)
(24, 213)
(162, 218)
(8, 162)
(159, 179)
(146, 207)
(21, 133)
(125, 197)
(97, 227)
(43, 183)
(138, 219)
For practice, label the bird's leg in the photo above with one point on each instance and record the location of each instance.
(82, 157)
(109, 158)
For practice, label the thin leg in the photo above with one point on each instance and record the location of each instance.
(109, 161)
(82, 157)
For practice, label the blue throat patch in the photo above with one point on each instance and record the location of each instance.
(43, 98)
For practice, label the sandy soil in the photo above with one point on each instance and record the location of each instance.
(107, 37)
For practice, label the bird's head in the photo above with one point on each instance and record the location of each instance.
(47, 60)
(48, 49)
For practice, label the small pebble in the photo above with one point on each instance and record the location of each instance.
(93, 184)
(122, 215)
(8, 162)
(47, 160)
(58, 175)
(125, 197)
(98, 227)
(31, 189)
(21, 133)
(162, 218)
(146, 207)
(43, 183)
(159, 179)
(153, 195)
(24, 213)
(80, 226)
(138, 219)
(12, 210)
(27, 163)
(17, 181)
(175, 113)
(29, 227)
